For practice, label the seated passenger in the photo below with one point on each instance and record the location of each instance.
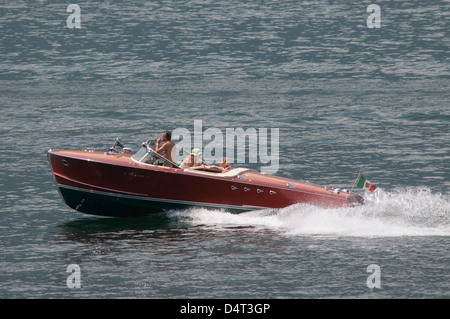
(194, 159)
(224, 166)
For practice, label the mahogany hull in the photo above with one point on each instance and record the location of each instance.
(115, 185)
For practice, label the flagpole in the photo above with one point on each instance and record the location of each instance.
(356, 180)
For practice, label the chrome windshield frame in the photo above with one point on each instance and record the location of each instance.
(150, 150)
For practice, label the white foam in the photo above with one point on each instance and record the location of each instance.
(405, 212)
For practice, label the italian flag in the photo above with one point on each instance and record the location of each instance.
(365, 184)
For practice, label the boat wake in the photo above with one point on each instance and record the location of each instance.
(403, 212)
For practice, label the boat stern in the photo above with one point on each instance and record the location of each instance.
(355, 200)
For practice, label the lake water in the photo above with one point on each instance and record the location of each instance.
(344, 97)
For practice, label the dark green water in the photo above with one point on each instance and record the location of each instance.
(343, 96)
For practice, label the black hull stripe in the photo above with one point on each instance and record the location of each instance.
(169, 201)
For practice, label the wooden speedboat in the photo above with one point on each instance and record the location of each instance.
(125, 184)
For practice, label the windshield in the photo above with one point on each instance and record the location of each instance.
(147, 155)
(140, 154)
